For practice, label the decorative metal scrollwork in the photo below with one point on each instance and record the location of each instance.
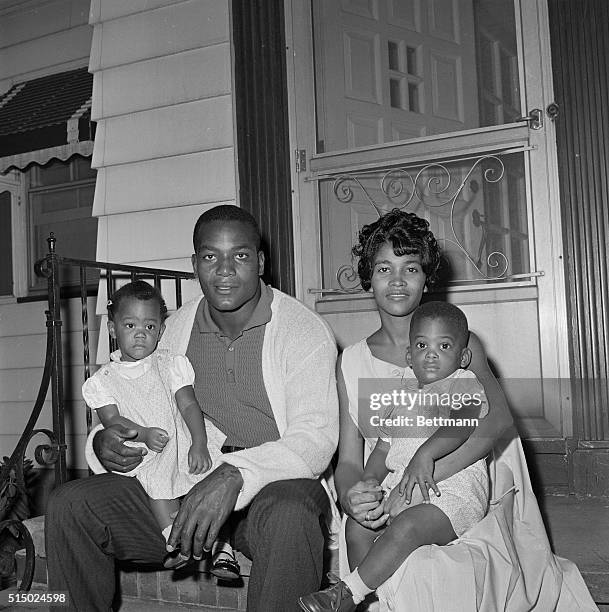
(348, 279)
(46, 454)
(433, 186)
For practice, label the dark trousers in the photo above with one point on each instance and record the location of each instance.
(93, 522)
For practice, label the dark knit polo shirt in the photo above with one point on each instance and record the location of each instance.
(229, 384)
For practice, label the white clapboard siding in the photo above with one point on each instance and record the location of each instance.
(158, 32)
(28, 380)
(25, 351)
(22, 354)
(29, 318)
(24, 60)
(164, 132)
(105, 10)
(183, 77)
(75, 411)
(142, 236)
(164, 146)
(34, 22)
(185, 180)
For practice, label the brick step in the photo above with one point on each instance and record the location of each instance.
(128, 604)
(193, 585)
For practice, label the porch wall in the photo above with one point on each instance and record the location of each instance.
(22, 353)
(164, 146)
(37, 39)
(43, 38)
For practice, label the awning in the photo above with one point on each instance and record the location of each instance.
(46, 118)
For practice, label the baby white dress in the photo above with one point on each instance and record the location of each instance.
(465, 495)
(144, 392)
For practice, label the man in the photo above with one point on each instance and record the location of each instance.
(265, 377)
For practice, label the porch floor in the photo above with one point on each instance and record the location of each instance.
(578, 529)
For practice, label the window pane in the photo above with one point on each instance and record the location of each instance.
(461, 57)
(53, 173)
(6, 244)
(476, 208)
(66, 211)
(394, 57)
(82, 168)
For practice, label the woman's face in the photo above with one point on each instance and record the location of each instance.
(397, 281)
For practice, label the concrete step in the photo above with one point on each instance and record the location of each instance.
(578, 529)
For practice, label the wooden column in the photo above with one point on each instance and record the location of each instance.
(262, 130)
(580, 48)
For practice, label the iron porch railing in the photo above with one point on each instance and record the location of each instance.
(12, 477)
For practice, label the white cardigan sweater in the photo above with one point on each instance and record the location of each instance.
(298, 361)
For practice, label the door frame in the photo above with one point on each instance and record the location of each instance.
(543, 185)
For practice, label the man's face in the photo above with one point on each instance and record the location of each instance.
(228, 266)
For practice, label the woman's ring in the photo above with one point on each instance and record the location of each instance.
(368, 516)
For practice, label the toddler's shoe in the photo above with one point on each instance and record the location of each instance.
(224, 564)
(175, 560)
(337, 598)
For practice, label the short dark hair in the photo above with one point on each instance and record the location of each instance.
(140, 290)
(448, 313)
(408, 235)
(226, 212)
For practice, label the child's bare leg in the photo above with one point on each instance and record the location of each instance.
(164, 511)
(412, 528)
(359, 540)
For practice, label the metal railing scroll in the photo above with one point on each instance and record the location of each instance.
(54, 453)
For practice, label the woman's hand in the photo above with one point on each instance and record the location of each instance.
(363, 502)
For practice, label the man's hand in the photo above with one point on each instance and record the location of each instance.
(108, 445)
(155, 438)
(204, 510)
(419, 471)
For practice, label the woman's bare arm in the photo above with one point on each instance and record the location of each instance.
(357, 497)
(489, 430)
(350, 466)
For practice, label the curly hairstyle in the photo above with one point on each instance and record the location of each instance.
(140, 290)
(407, 233)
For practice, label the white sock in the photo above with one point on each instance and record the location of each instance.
(167, 532)
(357, 586)
(222, 546)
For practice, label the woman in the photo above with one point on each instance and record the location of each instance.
(398, 259)
(505, 561)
